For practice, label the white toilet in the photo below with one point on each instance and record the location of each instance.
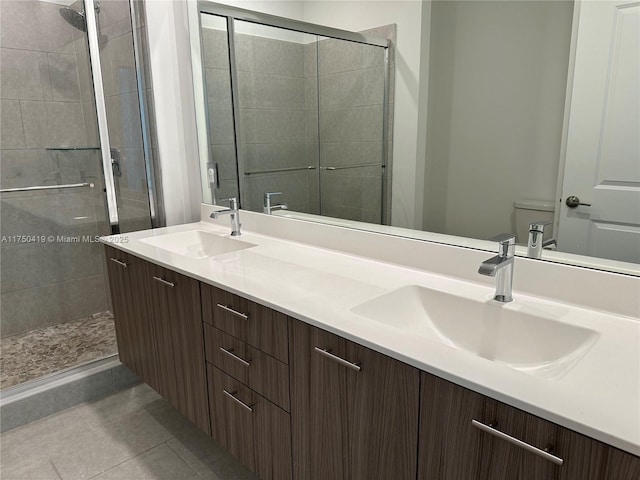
(530, 211)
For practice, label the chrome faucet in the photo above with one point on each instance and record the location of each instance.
(501, 266)
(233, 213)
(536, 243)
(269, 207)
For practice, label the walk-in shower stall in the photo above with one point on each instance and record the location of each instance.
(298, 109)
(75, 165)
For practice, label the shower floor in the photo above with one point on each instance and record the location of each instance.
(47, 350)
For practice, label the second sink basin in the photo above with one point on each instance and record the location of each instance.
(529, 338)
(196, 243)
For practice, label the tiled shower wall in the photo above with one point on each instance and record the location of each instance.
(275, 104)
(47, 103)
(351, 98)
(298, 109)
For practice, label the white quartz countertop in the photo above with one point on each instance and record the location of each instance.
(599, 396)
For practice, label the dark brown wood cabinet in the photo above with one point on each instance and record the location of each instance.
(259, 326)
(128, 282)
(292, 401)
(354, 411)
(451, 447)
(175, 312)
(251, 428)
(159, 331)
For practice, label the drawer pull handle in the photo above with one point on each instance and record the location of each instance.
(335, 358)
(164, 282)
(119, 262)
(529, 448)
(232, 311)
(232, 395)
(235, 357)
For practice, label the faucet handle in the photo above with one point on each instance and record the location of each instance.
(271, 194)
(506, 241)
(233, 202)
(538, 226)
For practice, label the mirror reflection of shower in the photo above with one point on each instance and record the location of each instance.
(77, 19)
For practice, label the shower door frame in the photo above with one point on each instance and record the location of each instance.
(234, 13)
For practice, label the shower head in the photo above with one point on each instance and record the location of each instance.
(74, 18)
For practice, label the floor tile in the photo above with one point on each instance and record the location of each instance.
(159, 463)
(31, 469)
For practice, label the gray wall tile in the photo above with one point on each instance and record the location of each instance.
(244, 53)
(215, 48)
(356, 124)
(350, 153)
(25, 75)
(114, 18)
(118, 65)
(221, 129)
(225, 157)
(11, 129)
(34, 25)
(272, 126)
(278, 57)
(23, 168)
(24, 310)
(353, 88)
(293, 185)
(63, 70)
(218, 82)
(53, 124)
(123, 117)
(36, 264)
(262, 156)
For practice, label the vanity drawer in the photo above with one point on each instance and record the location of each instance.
(250, 427)
(261, 372)
(261, 327)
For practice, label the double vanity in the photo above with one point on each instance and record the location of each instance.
(306, 360)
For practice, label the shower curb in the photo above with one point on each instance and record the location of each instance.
(45, 396)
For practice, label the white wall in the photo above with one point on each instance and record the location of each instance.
(175, 112)
(497, 89)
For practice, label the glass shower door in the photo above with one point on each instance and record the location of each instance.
(351, 96)
(54, 304)
(278, 116)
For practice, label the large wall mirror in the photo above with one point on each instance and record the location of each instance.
(530, 115)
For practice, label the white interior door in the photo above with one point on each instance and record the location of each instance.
(602, 166)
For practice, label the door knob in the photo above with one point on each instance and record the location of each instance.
(573, 202)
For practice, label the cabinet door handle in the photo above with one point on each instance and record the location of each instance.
(164, 282)
(235, 357)
(529, 448)
(119, 262)
(232, 395)
(232, 311)
(335, 358)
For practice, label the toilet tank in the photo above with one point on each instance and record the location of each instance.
(530, 211)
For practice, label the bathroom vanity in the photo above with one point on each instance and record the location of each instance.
(309, 363)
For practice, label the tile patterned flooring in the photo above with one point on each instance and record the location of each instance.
(131, 435)
(47, 350)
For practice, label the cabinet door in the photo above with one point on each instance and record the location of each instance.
(247, 425)
(450, 446)
(354, 411)
(174, 306)
(129, 296)
(501, 459)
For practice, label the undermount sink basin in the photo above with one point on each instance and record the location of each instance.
(196, 243)
(534, 341)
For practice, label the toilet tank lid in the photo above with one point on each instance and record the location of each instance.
(543, 205)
